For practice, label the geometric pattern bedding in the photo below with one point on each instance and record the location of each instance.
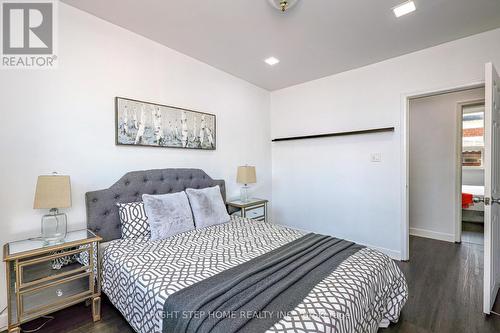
(138, 275)
(334, 304)
(133, 219)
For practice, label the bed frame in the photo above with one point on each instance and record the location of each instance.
(102, 212)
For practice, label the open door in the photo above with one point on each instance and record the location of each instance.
(491, 187)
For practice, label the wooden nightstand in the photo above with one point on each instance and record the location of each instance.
(37, 284)
(255, 209)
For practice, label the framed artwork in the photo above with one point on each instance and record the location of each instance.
(141, 123)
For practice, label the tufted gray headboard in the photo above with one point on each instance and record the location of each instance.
(102, 211)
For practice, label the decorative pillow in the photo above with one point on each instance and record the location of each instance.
(208, 206)
(168, 214)
(134, 220)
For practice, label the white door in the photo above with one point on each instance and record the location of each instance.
(491, 187)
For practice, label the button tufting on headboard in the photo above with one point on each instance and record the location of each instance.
(102, 212)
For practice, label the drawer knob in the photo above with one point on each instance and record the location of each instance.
(59, 292)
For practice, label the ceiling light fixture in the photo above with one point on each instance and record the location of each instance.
(404, 8)
(283, 5)
(271, 61)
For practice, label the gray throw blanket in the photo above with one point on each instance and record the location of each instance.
(253, 296)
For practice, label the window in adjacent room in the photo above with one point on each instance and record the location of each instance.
(473, 136)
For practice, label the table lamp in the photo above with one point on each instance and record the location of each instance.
(246, 175)
(53, 192)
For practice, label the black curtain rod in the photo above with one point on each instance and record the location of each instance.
(326, 135)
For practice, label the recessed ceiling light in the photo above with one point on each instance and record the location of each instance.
(404, 8)
(271, 61)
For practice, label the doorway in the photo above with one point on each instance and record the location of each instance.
(491, 257)
(435, 163)
(470, 228)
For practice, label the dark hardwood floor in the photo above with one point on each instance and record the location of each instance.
(473, 233)
(445, 287)
(78, 319)
(445, 283)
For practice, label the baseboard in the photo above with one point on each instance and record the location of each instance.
(432, 234)
(396, 255)
(3, 321)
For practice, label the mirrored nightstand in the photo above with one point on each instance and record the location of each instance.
(43, 278)
(255, 209)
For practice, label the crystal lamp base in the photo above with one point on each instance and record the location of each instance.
(244, 193)
(54, 227)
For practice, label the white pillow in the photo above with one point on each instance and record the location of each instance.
(134, 220)
(168, 214)
(208, 207)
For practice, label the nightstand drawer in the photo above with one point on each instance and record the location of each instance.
(50, 267)
(255, 212)
(43, 298)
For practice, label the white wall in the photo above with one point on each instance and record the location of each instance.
(332, 180)
(63, 119)
(433, 129)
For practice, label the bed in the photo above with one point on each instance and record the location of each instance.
(365, 291)
(476, 192)
(472, 211)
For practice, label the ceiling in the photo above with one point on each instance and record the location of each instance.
(316, 38)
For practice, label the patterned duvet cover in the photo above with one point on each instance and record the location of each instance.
(138, 275)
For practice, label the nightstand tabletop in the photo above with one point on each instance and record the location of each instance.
(251, 202)
(29, 247)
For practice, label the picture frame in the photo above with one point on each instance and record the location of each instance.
(147, 124)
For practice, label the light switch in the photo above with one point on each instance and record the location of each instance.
(376, 157)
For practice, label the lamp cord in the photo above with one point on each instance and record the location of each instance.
(49, 319)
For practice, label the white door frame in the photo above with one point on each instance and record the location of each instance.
(458, 164)
(405, 156)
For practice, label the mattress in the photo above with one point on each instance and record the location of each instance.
(138, 275)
